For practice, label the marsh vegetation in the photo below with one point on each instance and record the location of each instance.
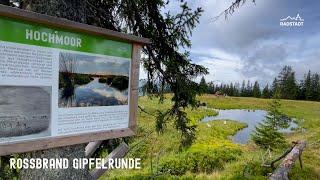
(214, 155)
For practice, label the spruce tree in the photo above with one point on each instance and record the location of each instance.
(203, 85)
(211, 89)
(307, 85)
(275, 87)
(315, 87)
(243, 89)
(256, 90)
(302, 90)
(266, 92)
(288, 88)
(266, 134)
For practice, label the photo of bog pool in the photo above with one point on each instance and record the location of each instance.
(86, 80)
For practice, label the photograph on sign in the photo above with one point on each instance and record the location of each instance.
(25, 112)
(92, 81)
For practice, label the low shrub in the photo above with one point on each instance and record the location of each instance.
(197, 161)
(102, 80)
(120, 82)
(81, 79)
(254, 168)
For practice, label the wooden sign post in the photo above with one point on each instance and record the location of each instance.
(64, 83)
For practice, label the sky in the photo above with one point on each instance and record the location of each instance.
(95, 65)
(251, 44)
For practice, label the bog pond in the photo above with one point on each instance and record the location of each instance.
(251, 117)
(93, 94)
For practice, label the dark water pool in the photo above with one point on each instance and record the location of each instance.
(251, 117)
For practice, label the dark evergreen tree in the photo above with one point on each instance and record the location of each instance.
(288, 88)
(302, 90)
(231, 90)
(275, 87)
(266, 134)
(217, 88)
(266, 93)
(256, 90)
(211, 88)
(203, 85)
(243, 89)
(248, 89)
(307, 86)
(315, 87)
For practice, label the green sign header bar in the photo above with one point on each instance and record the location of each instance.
(16, 31)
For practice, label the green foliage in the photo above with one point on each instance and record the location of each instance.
(266, 92)
(67, 80)
(203, 85)
(102, 80)
(267, 134)
(286, 84)
(254, 168)
(120, 82)
(81, 79)
(198, 161)
(5, 171)
(256, 90)
(309, 88)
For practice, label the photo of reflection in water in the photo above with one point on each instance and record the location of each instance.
(92, 81)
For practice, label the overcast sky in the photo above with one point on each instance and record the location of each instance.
(95, 65)
(251, 44)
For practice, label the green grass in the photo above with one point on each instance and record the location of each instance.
(160, 152)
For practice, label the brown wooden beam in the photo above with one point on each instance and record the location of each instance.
(92, 147)
(119, 152)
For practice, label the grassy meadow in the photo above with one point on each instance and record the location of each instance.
(213, 155)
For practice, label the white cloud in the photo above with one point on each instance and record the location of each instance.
(251, 45)
(222, 66)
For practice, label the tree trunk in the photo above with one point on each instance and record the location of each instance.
(74, 10)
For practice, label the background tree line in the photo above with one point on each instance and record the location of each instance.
(285, 84)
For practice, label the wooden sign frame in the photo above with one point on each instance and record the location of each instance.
(51, 142)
